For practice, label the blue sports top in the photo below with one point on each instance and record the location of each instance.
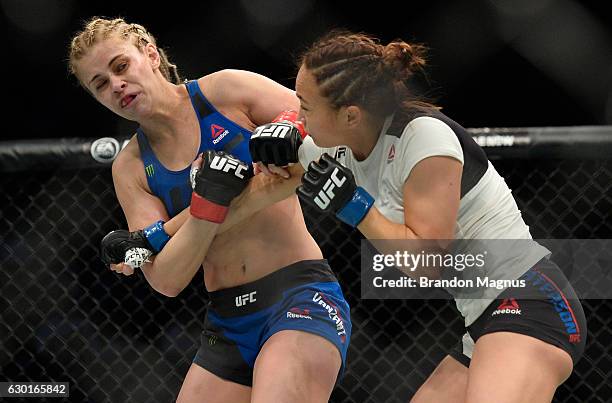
(216, 132)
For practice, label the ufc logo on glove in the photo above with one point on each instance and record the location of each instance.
(226, 164)
(330, 187)
(326, 195)
(277, 130)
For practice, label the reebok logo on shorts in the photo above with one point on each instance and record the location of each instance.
(508, 306)
(297, 313)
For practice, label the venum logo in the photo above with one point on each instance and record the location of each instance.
(326, 195)
(244, 299)
(333, 313)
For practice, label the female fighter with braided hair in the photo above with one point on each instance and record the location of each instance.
(405, 171)
(277, 314)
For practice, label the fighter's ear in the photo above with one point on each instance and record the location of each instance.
(352, 116)
(152, 53)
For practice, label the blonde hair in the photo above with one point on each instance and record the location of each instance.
(97, 29)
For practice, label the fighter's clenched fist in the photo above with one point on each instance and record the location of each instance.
(219, 180)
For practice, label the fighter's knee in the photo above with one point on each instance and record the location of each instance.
(323, 358)
(447, 383)
(559, 361)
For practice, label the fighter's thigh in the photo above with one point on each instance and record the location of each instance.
(510, 367)
(447, 383)
(295, 366)
(203, 386)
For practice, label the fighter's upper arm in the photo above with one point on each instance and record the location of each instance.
(139, 206)
(430, 165)
(431, 197)
(262, 97)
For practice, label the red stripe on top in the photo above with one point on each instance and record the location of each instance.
(207, 210)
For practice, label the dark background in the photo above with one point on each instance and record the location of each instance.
(64, 317)
(492, 62)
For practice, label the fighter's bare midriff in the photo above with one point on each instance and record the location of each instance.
(265, 242)
(271, 239)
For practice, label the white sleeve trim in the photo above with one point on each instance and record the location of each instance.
(426, 137)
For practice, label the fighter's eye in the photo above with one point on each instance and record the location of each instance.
(100, 84)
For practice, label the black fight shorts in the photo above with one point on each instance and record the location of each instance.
(547, 309)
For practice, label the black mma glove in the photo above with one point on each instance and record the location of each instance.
(330, 187)
(278, 142)
(122, 246)
(133, 248)
(221, 178)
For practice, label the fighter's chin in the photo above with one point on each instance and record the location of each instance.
(129, 115)
(133, 114)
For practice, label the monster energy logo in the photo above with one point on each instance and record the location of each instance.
(212, 340)
(149, 169)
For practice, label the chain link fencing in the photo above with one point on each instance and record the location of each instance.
(65, 317)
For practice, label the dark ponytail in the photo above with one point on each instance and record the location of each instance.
(355, 69)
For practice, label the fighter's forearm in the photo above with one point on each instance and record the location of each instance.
(173, 268)
(172, 226)
(261, 192)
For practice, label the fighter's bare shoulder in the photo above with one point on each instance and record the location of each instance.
(128, 166)
(246, 87)
(231, 86)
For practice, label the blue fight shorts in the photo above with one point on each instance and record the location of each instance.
(303, 296)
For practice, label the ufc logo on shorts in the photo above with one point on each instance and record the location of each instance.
(273, 130)
(326, 194)
(227, 164)
(244, 299)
